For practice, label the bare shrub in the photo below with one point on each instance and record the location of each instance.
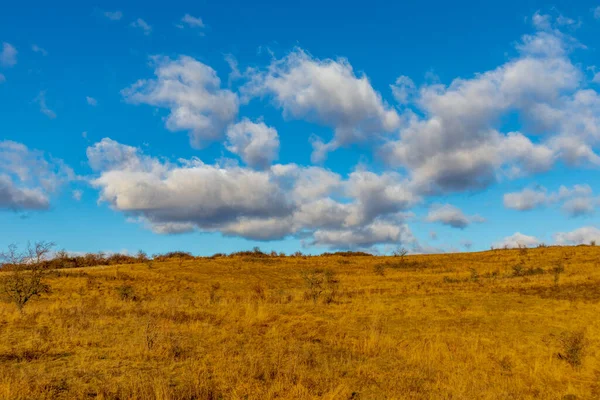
(25, 272)
(320, 282)
(400, 252)
(142, 256)
(523, 250)
(127, 293)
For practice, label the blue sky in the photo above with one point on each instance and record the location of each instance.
(214, 127)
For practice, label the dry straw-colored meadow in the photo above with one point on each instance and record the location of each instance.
(502, 324)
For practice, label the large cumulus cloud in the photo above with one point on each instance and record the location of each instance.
(283, 200)
(192, 92)
(451, 138)
(327, 92)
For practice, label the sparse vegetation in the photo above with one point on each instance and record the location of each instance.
(247, 325)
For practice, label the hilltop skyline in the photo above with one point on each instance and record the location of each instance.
(317, 128)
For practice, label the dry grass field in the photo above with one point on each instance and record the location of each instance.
(503, 324)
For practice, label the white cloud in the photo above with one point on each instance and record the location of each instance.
(273, 203)
(541, 21)
(403, 89)
(37, 49)
(387, 193)
(91, 101)
(191, 91)
(41, 101)
(77, 194)
(365, 237)
(577, 190)
(455, 143)
(583, 235)
(2, 78)
(142, 25)
(527, 199)
(597, 12)
(15, 198)
(579, 206)
(192, 22)
(517, 240)
(190, 192)
(326, 92)
(172, 228)
(235, 73)
(256, 143)
(450, 215)
(28, 178)
(113, 15)
(577, 201)
(8, 55)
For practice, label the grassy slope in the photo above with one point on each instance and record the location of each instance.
(427, 329)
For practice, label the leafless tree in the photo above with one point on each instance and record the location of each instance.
(400, 252)
(23, 273)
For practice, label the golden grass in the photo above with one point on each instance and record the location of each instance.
(455, 326)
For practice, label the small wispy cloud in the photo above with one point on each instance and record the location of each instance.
(91, 101)
(8, 55)
(143, 25)
(235, 73)
(77, 194)
(2, 78)
(113, 15)
(190, 21)
(596, 12)
(37, 49)
(41, 101)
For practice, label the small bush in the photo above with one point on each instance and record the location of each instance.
(474, 275)
(260, 292)
(573, 348)
(213, 293)
(379, 269)
(127, 293)
(320, 282)
(557, 270)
